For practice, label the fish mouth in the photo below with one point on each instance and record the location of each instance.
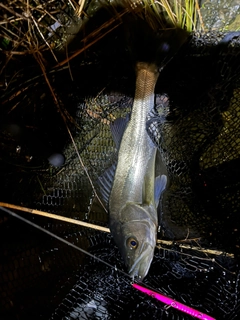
(140, 267)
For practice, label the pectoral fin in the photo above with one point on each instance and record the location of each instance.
(160, 185)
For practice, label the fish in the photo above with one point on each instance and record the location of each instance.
(135, 191)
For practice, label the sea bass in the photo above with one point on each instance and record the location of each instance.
(136, 191)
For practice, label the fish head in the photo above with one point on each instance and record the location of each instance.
(135, 234)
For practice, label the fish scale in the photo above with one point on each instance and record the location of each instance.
(132, 205)
(136, 149)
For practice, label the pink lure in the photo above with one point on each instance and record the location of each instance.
(172, 303)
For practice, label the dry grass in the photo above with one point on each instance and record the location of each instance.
(31, 26)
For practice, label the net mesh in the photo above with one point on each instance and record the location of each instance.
(195, 125)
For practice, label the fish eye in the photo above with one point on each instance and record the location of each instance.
(132, 243)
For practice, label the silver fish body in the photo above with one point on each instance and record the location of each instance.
(132, 204)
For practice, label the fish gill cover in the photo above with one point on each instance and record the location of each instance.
(195, 126)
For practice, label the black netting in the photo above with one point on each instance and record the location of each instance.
(195, 125)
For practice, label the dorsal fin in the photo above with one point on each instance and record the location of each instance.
(105, 182)
(117, 128)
